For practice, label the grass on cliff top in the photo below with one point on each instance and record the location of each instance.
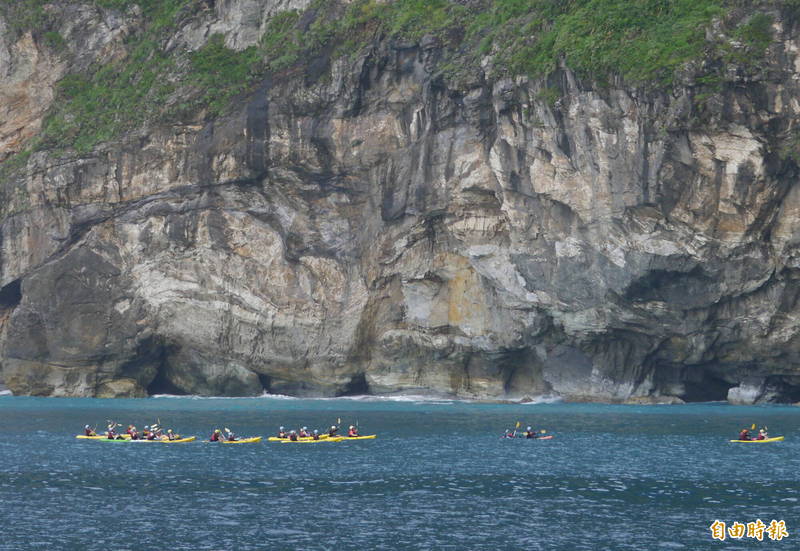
(639, 40)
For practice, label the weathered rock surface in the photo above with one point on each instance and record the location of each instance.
(379, 231)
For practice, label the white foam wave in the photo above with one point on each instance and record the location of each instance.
(543, 399)
(198, 397)
(6, 393)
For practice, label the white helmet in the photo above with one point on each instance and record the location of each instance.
(281, 428)
(529, 428)
(304, 428)
(316, 431)
(332, 426)
(293, 432)
(352, 427)
(86, 427)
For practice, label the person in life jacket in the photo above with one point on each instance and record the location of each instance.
(133, 433)
(88, 431)
(230, 437)
(282, 433)
(215, 436)
(315, 436)
(293, 436)
(762, 434)
(150, 434)
(744, 434)
(304, 433)
(110, 433)
(352, 432)
(529, 433)
(508, 434)
(170, 436)
(333, 430)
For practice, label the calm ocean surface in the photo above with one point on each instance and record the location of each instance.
(437, 477)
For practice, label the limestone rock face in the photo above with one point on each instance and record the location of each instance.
(381, 231)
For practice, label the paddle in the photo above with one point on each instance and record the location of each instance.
(514, 435)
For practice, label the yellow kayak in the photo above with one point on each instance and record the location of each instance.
(365, 437)
(321, 437)
(129, 441)
(243, 440)
(765, 441)
(100, 437)
(312, 441)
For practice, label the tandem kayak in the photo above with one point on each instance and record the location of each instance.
(365, 437)
(252, 440)
(312, 441)
(321, 437)
(100, 437)
(129, 441)
(765, 441)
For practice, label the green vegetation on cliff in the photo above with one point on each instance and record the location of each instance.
(641, 41)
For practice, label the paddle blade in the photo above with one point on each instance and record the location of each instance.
(543, 431)
(753, 427)
(338, 421)
(517, 425)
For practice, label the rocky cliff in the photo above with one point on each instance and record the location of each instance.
(370, 223)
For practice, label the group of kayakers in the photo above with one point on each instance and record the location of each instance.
(527, 433)
(303, 432)
(150, 432)
(744, 434)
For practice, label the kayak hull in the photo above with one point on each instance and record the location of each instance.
(129, 441)
(365, 437)
(99, 437)
(252, 440)
(320, 441)
(321, 437)
(765, 441)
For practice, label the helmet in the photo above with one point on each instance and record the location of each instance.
(529, 428)
(169, 430)
(316, 431)
(86, 427)
(332, 426)
(352, 427)
(294, 432)
(216, 430)
(304, 428)
(147, 426)
(281, 428)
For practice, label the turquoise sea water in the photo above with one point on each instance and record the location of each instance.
(438, 477)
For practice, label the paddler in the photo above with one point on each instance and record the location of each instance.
(508, 434)
(282, 433)
(133, 433)
(744, 434)
(762, 434)
(215, 436)
(530, 433)
(170, 436)
(332, 431)
(293, 436)
(304, 433)
(315, 436)
(230, 437)
(151, 434)
(89, 431)
(352, 432)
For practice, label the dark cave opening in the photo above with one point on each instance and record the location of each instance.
(357, 386)
(706, 388)
(266, 382)
(161, 384)
(11, 295)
